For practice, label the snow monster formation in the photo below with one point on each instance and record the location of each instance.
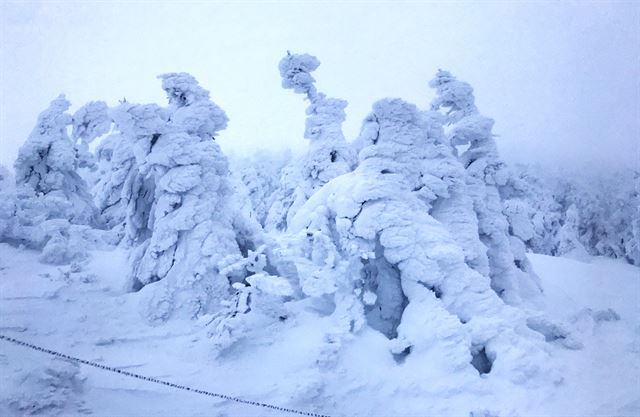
(379, 256)
(511, 274)
(182, 224)
(328, 156)
(53, 209)
(47, 167)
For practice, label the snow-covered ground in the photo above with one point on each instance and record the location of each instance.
(84, 311)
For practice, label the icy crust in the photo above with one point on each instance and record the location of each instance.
(429, 301)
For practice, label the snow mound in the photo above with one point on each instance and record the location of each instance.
(54, 389)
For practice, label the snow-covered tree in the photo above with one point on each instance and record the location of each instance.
(568, 243)
(453, 95)
(532, 219)
(633, 245)
(127, 187)
(185, 225)
(53, 209)
(328, 155)
(117, 179)
(374, 250)
(449, 198)
(576, 207)
(287, 192)
(608, 205)
(261, 175)
(7, 182)
(7, 203)
(122, 194)
(89, 122)
(510, 271)
(47, 165)
(257, 300)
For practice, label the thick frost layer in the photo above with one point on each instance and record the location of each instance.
(394, 266)
(329, 155)
(261, 174)
(296, 69)
(453, 95)
(47, 165)
(184, 224)
(118, 182)
(52, 209)
(511, 274)
(91, 121)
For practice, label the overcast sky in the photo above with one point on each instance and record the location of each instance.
(562, 80)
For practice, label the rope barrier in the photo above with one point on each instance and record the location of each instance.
(158, 381)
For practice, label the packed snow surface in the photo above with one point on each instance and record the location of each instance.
(590, 317)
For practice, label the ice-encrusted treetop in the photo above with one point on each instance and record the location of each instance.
(47, 160)
(54, 119)
(182, 89)
(192, 111)
(140, 120)
(455, 95)
(91, 121)
(329, 154)
(511, 274)
(295, 70)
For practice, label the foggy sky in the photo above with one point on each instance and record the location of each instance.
(562, 80)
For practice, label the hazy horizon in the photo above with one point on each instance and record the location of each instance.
(562, 80)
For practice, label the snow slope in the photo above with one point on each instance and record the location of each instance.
(84, 311)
